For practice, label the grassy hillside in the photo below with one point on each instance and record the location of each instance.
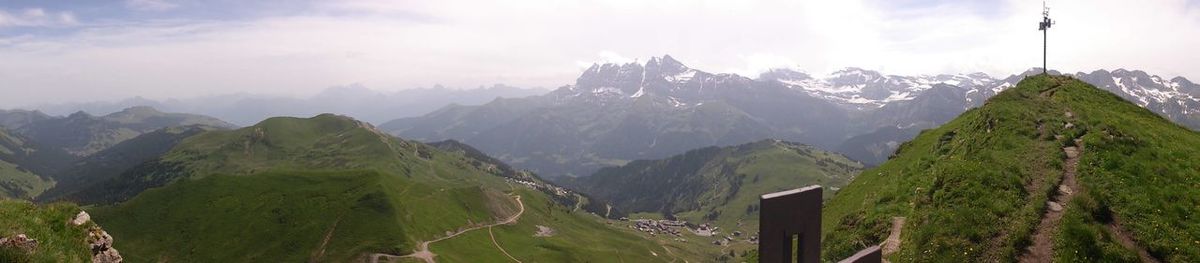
(273, 216)
(577, 237)
(327, 188)
(17, 181)
(719, 184)
(976, 188)
(58, 241)
(715, 185)
(113, 161)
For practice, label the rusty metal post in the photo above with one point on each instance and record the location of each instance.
(786, 215)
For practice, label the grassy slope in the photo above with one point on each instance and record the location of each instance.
(578, 237)
(15, 181)
(20, 184)
(974, 188)
(274, 216)
(58, 241)
(113, 161)
(389, 193)
(718, 185)
(1141, 170)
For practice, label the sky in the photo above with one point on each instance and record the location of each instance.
(54, 51)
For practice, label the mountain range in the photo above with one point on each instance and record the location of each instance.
(615, 113)
(353, 100)
(82, 134)
(37, 150)
(970, 168)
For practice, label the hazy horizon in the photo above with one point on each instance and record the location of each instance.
(111, 50)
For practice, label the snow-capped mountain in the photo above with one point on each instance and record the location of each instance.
(1177, 99)
(660, 78)
(614, 113)
(865, 89)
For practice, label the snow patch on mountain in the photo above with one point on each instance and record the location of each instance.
(669, 83)
(866, 89)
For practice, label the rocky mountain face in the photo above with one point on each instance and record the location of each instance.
(620, 112)
(861, 89)
(1177, 99)
(616, 113)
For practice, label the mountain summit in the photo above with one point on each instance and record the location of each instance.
(660, 77)
(1052, 169)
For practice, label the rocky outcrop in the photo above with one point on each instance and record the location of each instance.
(99, 241)
(19, 242)
(102, 250)
(81, 218)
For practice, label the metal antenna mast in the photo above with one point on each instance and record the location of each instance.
(1044, 26)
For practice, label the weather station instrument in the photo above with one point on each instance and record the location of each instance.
(1044, 26)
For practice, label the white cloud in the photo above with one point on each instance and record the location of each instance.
(605, 57)
(541, 43)
(150, 5)
(761, 62)
(36, 17)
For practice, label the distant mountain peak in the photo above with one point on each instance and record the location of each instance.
(862, 75)
(784, 74)
(140, 110)
(79, 114)
(666, 61)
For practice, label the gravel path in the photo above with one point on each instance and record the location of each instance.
(422, 252)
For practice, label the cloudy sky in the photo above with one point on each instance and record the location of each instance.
(56, 51)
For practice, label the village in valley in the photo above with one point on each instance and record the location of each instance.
(677, 228)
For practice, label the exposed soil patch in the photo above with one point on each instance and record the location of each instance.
(320, 252)
(544, 231)
(1042, 249)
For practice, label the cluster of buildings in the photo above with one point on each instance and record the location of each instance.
(706, 230)
(654, 227)
(543, 187)
(724, 241)
(674, 227)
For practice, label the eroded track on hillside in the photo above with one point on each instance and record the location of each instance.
(422, 252)
(1042, 249)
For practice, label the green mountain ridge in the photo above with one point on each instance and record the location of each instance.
(82, 134)
(118, 159)
(330, 188)
(718, 186)
(706, 179)
(976, 188)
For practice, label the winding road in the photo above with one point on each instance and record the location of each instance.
(422, 252)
